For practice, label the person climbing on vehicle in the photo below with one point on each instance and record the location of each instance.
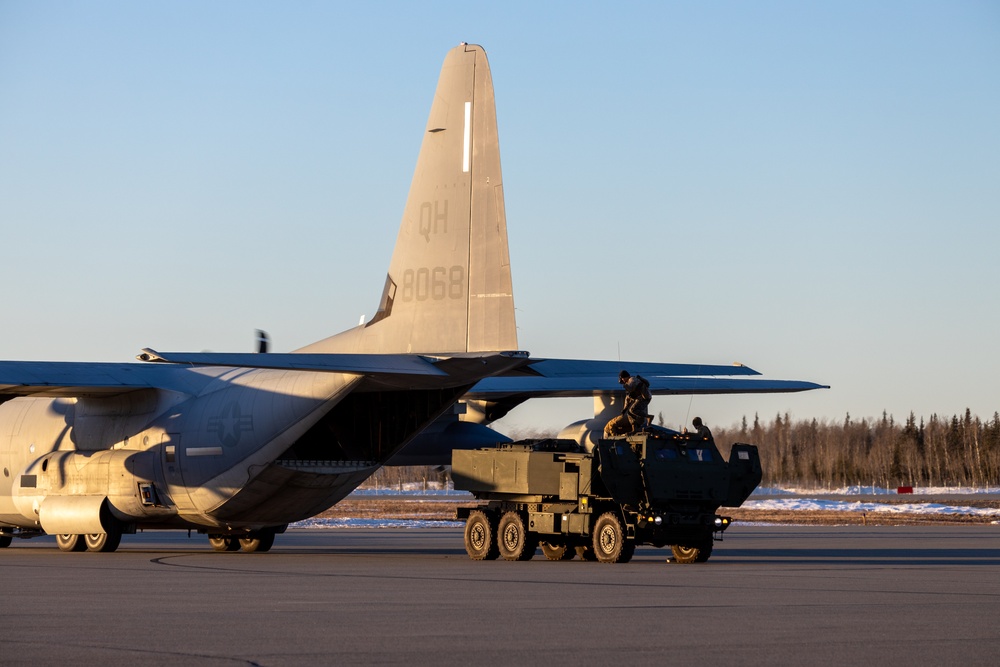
(635, 413)
(700, 430)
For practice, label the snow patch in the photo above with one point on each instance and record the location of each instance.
(875, 491)
(813, 504)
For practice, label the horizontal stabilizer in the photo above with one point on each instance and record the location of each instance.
(552, 368)
(496, 388)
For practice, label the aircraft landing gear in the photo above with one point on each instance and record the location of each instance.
(103, 542)
(558, 551)
(98, 542)
(68, 543)
(224, 542)
(690, 554)
(258, 541)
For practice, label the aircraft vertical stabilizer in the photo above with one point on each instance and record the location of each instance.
(448, 289)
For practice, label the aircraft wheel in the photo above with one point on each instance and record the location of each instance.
(104, 542)
(223, 543)
(481, 536)
(610, 543)
(558, 551)
(687, 554)
(257, 542)
(514, 540)
(5, 541)
(67, 542)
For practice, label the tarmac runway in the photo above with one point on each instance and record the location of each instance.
(917, 595)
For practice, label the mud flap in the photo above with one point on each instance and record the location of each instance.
(745, 473)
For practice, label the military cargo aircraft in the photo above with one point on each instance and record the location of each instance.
(236, 446)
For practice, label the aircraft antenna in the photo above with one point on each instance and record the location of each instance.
(688, 414)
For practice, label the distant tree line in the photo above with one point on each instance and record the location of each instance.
(955, 451)
(394, 478)
(941, 451)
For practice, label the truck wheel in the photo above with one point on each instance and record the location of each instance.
(558, 551)
(481, 536)
(514, 540)
(610, 543)
(685, 554)
(586, 553)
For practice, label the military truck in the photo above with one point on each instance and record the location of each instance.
(655, 487)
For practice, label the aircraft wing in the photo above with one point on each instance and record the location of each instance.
(536, 378)
(80, 379)
(577, 377)
(383, 371)
(362, 364)
(71, 378)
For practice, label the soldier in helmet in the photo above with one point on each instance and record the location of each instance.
(635, 414)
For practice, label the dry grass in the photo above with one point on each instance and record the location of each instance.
(395, 508)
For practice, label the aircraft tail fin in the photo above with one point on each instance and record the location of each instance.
(449, 288)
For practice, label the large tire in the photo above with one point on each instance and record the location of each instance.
(224, 542)
(558, 551)
(105, 542)
(513, 538)
(481, 536)
(586, 552)
(257, 542)
(5, 541)
(610, 543)
(687, 554)
(68, 543)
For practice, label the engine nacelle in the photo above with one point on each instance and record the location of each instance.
(433, 446)
(73, 515)
(80, 492)
(585, 432)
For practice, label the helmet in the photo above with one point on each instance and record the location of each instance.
(623, 376)
(696, 422)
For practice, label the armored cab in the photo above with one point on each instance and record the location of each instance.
(657, 487)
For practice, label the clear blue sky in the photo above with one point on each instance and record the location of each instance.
(812, 189)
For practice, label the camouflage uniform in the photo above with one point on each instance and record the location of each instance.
(636, 412)
(637, 402)
(620, 425)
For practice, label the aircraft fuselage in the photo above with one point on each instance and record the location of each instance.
(162, 456)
